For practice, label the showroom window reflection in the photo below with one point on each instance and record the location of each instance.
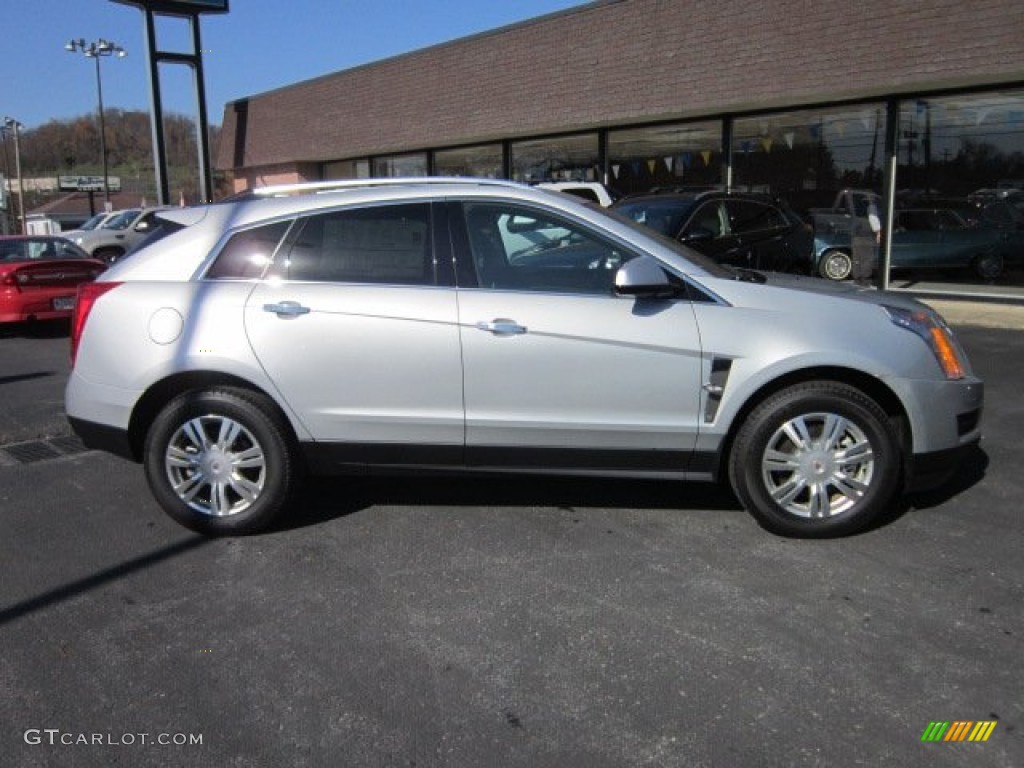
(482, 162)
(561, 158)
(400, 166)
(681, 156)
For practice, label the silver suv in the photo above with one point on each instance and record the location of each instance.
(487, 326)
(118, 234)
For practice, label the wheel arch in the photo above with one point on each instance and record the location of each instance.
(870, 385)
(165, 390)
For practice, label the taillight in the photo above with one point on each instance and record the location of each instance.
(87, 295)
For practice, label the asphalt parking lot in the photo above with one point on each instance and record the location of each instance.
(533, 623)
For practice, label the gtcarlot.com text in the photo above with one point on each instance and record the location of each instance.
(56, 737)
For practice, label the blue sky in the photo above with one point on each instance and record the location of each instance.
(260, 45)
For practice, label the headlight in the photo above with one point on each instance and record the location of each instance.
(937, 335)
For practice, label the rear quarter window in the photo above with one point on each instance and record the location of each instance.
(248, 253)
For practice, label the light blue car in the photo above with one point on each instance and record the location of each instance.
(923, 238)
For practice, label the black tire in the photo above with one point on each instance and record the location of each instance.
(825, 487)
(835, 265)
(220, 462)
(989, 266)
(109, 255)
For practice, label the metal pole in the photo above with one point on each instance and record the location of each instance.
(7, 179)
(103, 135)
(21, 184)
(157, 119)
(202, 129)
(892, 149)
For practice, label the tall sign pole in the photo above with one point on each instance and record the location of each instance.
(191, 10)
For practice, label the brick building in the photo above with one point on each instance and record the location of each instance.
(793, 97)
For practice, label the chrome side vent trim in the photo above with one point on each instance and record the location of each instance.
(715, 387)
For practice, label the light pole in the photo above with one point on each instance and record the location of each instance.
(14, 126)
(96, 50)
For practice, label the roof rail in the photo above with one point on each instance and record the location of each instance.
(278, 190)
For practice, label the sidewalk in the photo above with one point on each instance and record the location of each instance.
(979, 313)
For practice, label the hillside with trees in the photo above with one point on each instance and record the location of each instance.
(72, 148)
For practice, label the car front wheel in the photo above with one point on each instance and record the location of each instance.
(815, 460)
(219, 462)
(835, 265)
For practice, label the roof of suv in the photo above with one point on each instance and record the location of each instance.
(180, 253)
(284, 200)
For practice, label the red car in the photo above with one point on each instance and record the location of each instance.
(39, 276)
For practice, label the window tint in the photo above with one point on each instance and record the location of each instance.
(666, 216)
(518, 248)
(748, 216)
(706, 219)
(39, 248)
(382, 244)
(122, 220)
(247, 254)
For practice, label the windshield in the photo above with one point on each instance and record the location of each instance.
(121, 220)
(702, 261)
(666, 216)
(94, 222)
(39, 249)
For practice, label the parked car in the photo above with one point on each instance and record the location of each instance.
(39, 275)
(116, 236)
(922, 238)
(92, 223)
(744, 230)
(593, 191)
(473, 325)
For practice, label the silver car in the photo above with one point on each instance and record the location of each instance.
(491, 327)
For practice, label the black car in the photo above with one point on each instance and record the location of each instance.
(743, 230)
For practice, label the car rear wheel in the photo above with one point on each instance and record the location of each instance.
(989, 266)
(835, 265)
(815, 460)
(219, 462)
(109, 255)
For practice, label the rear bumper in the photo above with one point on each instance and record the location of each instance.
(21, 306)
(103, 437)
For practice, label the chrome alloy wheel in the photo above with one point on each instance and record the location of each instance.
(818, 465)
(215, 465)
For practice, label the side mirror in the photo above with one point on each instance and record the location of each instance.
(644, 278)
(698, 235)
(142, 226)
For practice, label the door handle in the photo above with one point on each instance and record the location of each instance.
(286, 309)
(501, 327)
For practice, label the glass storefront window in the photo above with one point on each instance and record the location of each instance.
(483, 162)
(400, 166)
(347, 169)
(807, 156)
(811, 159)
(960, 158)
(665, 157)
(564, 158)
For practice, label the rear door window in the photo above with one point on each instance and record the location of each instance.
(386, 244)
(748, 217)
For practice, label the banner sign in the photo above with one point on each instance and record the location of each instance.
(188, 7)
(88, 183)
